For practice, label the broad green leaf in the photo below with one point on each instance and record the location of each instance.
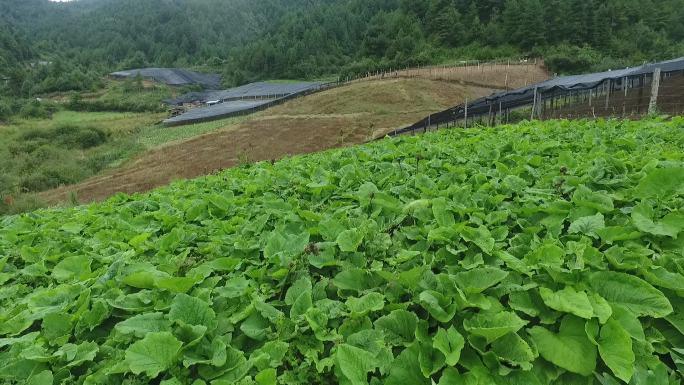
(479, 279)
(450, 376)
(213, 353)
(301, 305)
(267, 377)
(629, 322)
(568, 300)
(439, 306)
(141, 279)
(318, 321)
(284, 246)
(255, 327)
(177, 284)
(330, 228)
(656, 375)
(234, 287)
(661, 183)
(676, 319)
(406, 369)
(492, 326)
(222, 264)
(631, 292)
(523, 302)
(236, 366)
(587, 225)
(153, 354)
(548, 254)
(441, 212)
(399, 327)
(601, 307)
(368, 303)
(584, 197)
(172, 381)
(270, 355)
(612, 234)
(643, 219)
(513, 349)
(356, 279)
(72, 268)
(659, 276)
(615, 348)
(192, 311)
(352, 364)
(430, 359)
(570, 349)
(43, 378)
(450, 342)
(56, 326)
(350, 240)
(297, 289)
(142, 324)
(479, 236)
(76, 355)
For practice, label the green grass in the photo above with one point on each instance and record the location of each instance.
(41, 154)
(155, 136)
(124, 96)
(115, 123)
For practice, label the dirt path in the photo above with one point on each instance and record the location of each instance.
(338, 117)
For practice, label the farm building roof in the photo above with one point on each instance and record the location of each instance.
(173, 76)
(215, 111)
(252, 90)
(244, 99)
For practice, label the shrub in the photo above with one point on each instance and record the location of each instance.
(21, 203)
(5, 110)
(68, 136)
(53, 175)
(80, 137)
(571, 59)
(35, 109)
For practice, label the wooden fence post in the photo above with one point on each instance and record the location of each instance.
(491, 111)
(500, 113)
(534, 104)
(653, 104)
(466, 113)
(624, 100)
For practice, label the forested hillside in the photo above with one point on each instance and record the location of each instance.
(250, 40)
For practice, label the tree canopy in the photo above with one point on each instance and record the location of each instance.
(250, 40)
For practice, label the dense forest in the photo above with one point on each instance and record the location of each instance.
(65, 46)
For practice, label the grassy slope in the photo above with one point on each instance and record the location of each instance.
(30, 166)
(403, 219)
(40, 154)
(341, 116)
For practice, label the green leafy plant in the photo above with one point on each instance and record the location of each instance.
(541, 253)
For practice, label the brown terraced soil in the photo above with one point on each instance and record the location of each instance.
(338, 117)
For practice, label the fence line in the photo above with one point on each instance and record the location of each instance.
(462, 71)
(443, 72)
(628, 97)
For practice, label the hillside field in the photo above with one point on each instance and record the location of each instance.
(342, 116)
(545, 253)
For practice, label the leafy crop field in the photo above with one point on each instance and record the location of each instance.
(542, 253)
